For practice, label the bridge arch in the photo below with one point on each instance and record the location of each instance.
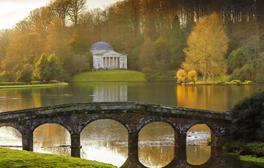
(49, 136)
(18, 128)
(151, 120)
(213, 129)
(47, 121)
(94, 119)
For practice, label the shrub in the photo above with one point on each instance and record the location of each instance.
(4, 76)
(242, 74)
(249, 82)
(238, 82)
(247, 118)
(192, 75)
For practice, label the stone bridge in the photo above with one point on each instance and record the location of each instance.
(133, 116)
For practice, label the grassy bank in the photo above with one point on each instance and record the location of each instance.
(14, 158)
(250, 152)
(20, 85)
(110, 76)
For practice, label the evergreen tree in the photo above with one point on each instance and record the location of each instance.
(41, 71)
(177, 43)
(54, 67)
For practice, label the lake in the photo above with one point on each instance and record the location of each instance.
(106, 140)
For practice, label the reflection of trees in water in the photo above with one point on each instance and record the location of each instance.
(157, 131)
(198, 155)
(10, 136)
(65, 151)
(106, 130)
(50, 135)
(157, 156)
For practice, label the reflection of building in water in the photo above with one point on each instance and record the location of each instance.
(110, 93)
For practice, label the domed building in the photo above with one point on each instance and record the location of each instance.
(105, 57)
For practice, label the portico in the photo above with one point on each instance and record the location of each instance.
(105, 57)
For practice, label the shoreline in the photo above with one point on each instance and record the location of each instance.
(33, 85)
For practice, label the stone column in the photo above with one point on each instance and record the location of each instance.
(103, 62)
(181, 140)
(27, 141)
(132, 160)
(116, 63)
(75, 145)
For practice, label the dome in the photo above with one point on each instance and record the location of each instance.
(101, 46)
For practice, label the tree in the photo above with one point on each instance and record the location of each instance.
(207, 45)
(162, 54)
(54, 67)
(25, 74)
(47, 67)
(247, 119)
(146, 55)
(41, 71)
(236, 59)
(76, 7)
(79, 43)
(181, 75)
(177, 43)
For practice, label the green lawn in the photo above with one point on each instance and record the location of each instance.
(216, 79)
(13, 158)
(110, 76)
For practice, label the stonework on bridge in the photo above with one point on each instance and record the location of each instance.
(133, 116)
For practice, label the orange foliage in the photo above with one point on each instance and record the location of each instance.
(192, 75)
(181, 74)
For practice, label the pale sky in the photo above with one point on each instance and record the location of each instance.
(12, 11)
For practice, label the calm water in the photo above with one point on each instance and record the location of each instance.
(106, 140)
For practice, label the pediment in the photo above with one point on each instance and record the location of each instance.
(111, 53)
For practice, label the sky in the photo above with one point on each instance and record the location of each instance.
(13, 11)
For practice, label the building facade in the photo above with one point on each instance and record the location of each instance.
(105, 57)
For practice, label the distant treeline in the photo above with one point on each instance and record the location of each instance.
(153, 31)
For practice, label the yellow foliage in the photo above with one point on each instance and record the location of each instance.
(207, 45)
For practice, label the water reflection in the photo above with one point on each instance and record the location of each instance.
(110, 92)
(52, 138)
(198, 155)
(217, 98)
(105, 141)
(10, 137)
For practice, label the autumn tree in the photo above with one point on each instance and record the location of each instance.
(181, 75)
(207, 45)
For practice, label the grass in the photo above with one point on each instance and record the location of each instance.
(110, 76)
(32, 85)
(226, 78)
(14, 158)
(249, 158)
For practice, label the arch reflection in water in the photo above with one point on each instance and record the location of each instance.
(156, 144)
(105, 141)
(52, 138)
(10, 138)
(197, 150)
(110, 92)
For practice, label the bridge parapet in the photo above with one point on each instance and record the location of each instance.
(108, 107)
